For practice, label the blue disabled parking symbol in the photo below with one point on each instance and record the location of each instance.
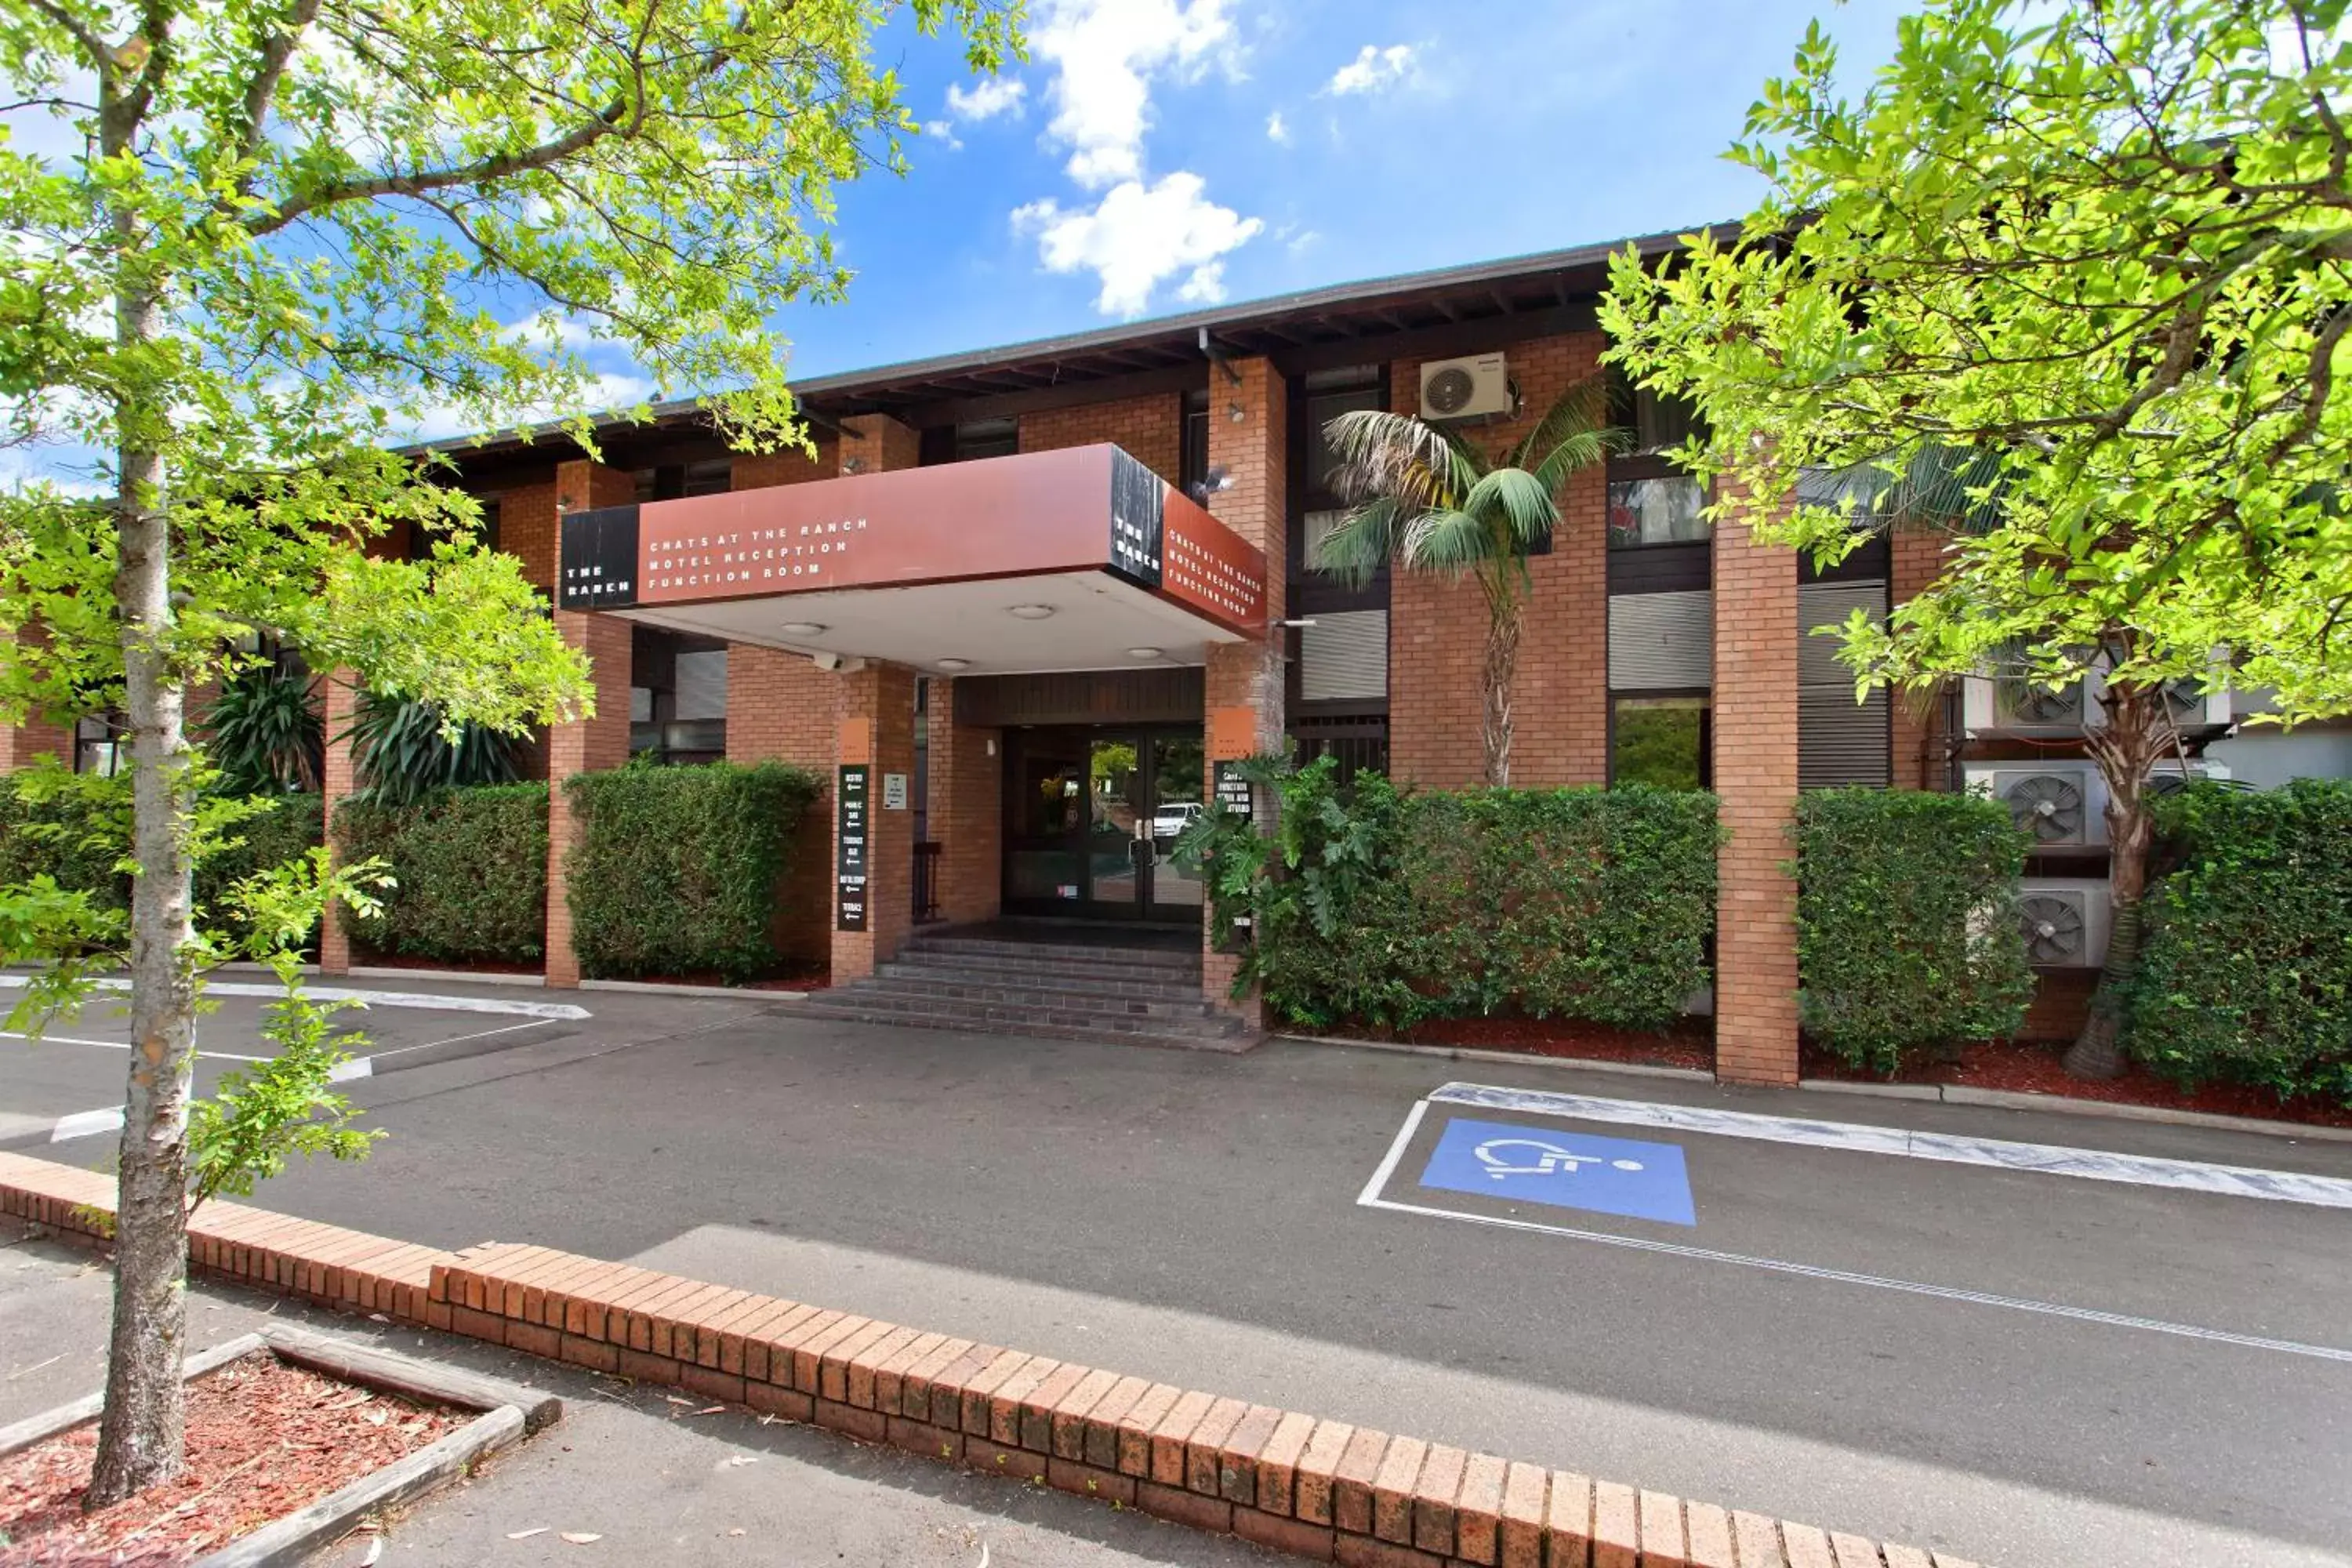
(1566, 1170)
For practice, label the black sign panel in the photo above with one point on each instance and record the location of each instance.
(852, 829)
(1233, 792)
(1139, 516)
(598, 560)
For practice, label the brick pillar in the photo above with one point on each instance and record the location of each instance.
(967, 810)
(598, 741)
(340, 698)
(1756, 776)
(782, 708)
(873, 443)
(1915, 748)
(878, 728)
(1253, 451)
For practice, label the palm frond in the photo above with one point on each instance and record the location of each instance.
(1393, 455)
(1947, 487)
(1364, 542)
(1521, 501)
(1448, 539)
(1574, 433)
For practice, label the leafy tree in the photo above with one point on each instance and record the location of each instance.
(264, 732)
(2070, 285)
(293, 228)
(1428, 499)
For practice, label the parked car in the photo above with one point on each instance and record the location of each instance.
(1174, 817)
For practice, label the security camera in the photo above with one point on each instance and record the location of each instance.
(836, 663)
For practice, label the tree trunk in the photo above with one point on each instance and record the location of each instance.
(141, 1435)
(2126, 748)
(1503, 623)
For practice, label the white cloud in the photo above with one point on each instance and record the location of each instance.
(1137, 236)
(987, 98)
(945, 132)
(1104, 54)
(1277, 130)
(1373, 68)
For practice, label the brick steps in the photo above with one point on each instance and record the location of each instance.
(1052, 990)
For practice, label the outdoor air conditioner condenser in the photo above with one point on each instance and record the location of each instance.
(1466, 388)
(2063, 805)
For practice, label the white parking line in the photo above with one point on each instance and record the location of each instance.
(117, 1046)
(1371, 1198)
(2044, 1159)
(82, 1123)
(429, 1003)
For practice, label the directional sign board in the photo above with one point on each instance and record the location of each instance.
(1562, 1169)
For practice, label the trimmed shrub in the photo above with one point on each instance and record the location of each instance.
(677, 869)
(470, 873)
(81, 854)
(1907, 939)
(1390, 909)
(2246, 977)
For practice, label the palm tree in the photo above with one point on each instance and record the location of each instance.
(1422, 497)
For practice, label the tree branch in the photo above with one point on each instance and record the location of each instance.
(268, 70)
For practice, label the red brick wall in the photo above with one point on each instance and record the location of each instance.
(966, 810)
(1151, 428)
(1756, 776)
(40, 735)
(875, 443)
(1437, 627)
(590, 744)
(1916, 747)
(884, 696)
(789, 467)
(1254, 451)
(526, 528)
(782, 708)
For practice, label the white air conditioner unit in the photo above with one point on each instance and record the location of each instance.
(2064, 923)
(2063, 805)
(2013, 705)
(1466, 388)
(2171, 775)
(2194, 709)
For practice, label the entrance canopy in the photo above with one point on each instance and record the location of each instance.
(1077, 559)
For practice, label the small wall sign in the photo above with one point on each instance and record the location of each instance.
(894, 792)
(851, 832)
(1233, 792)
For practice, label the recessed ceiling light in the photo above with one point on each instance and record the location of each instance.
(1143, 653)
(951, 664)
(802, 630)
(1030, 612)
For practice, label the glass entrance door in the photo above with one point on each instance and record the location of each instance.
(1091, 818)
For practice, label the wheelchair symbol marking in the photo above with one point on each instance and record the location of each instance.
(1507, 1157)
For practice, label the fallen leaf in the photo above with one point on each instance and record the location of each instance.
(580, 1537)
(526, 1535)
(374, 1551)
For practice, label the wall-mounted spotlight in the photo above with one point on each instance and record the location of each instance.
(1236, 413)
(1210, 483)
(836, 663)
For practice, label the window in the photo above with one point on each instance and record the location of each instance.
(1659, 740)
(1665, 510)
(1651, 499)
(1193, 448)
(677, 696)
(714, 477)
(98, 747)
(987, 439)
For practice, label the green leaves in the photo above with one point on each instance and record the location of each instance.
(2076, 283)
(1906, 933)
(471, 866)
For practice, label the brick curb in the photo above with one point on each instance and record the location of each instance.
(1321, 1489)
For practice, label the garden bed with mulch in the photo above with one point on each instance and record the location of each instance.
(2020, 1067)
(265, 1439)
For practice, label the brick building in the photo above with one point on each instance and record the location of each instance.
(1019, 603)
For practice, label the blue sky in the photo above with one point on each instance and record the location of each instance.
(1158, 154)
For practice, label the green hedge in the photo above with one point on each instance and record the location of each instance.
(677, 870)
(469, 867)
(2246, 975)
(1391, 909)
(290, 828)
(1906, 935)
